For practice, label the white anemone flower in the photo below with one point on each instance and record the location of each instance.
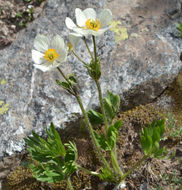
(88, 23)
(74, 39)
(48, 54)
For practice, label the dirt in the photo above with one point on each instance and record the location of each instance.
(15, 15)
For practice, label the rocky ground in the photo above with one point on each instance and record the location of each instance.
(15, 15)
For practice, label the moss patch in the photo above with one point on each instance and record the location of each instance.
(175, 92)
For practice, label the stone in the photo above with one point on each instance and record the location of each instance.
(138, 67)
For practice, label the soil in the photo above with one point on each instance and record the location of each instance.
(15, 15)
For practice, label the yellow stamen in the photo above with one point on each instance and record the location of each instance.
(93, 24)
(51, 55)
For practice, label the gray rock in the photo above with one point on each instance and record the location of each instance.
(138, 68)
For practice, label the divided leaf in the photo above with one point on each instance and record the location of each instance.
(150, 138)
(95, 117)
(111, 105)
(108, 143)
(54, 162)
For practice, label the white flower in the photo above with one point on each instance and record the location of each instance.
(88, 23)
(74, 39)
(48, 54)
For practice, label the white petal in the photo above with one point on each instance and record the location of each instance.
(37, 56)
(105, 17)
(99, 32)
(80, 17)
(41, 43)
(74, 38)
(42, 67)
(63, 56)
(81, 31)
(58, 44)
(90, 13)
(69, 23)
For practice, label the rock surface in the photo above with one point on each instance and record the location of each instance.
(140, 58)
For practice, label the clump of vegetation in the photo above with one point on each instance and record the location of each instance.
(179, 28)
(55, 161)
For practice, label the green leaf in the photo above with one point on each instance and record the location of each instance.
(112, 135)
(70, 158)
(72, 78)
(64, 85)
(95, 117)
(111, 105)
(54, 139)
(102, 141)
(106, 175)
(151, 136)
(108, 109)
(51, 156)
(118, 124)
(94, 69)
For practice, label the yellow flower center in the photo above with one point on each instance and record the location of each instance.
(51, 55)
(93, 24)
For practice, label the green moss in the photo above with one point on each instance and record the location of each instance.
(120, 32)
(141, 115)
(175, 92)
(22, 179)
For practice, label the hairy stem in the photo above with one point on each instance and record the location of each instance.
(95, 51)
(64, 76)
(115, 162)
(84, 39)
(131, 170)
(79, 58)
(92, 133)
(87, 171)
(102, 105)
(69, 184)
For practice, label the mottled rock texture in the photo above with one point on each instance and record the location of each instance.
(140, 58)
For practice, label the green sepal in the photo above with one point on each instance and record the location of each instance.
(64, 85)
(72, 79)
(94, 69)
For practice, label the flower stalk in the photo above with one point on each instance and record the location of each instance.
(113, 154)
(69, 183)
(84, 39)
(79, 58)
(95, 50)
(92, 133)
(87, 171)
(131, 170)
(87, 122)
